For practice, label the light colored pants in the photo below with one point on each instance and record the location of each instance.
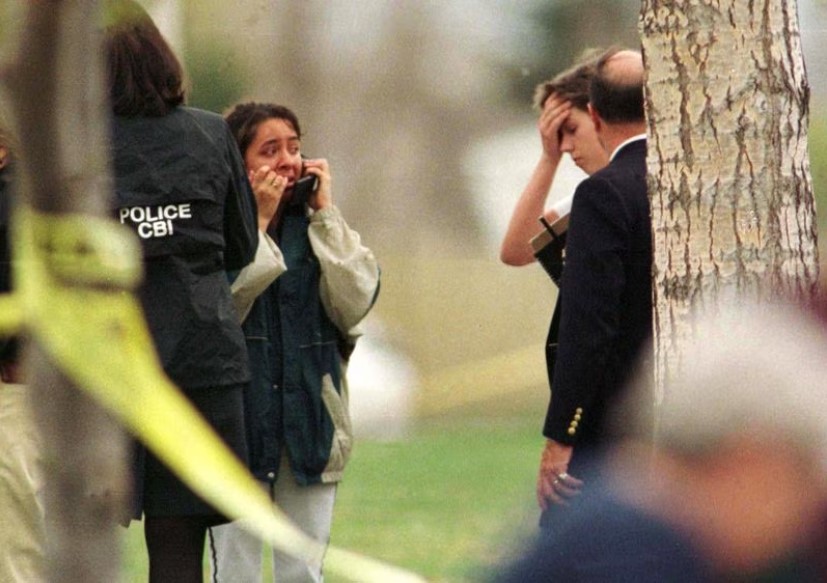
(22, 532)
(238, 557)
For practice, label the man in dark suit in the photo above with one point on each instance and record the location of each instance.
(606, 289)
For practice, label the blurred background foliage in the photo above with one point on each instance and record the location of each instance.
(818, 167)
(216, 76)
(562, 30)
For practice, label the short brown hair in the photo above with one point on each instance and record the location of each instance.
(145, 77)
(572, 84)
(244, 119)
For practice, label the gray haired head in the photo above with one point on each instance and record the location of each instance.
(759, 370)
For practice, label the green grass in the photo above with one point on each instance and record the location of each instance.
(451, 502)
(447, 503)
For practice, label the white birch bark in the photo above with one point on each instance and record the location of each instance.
(732, 204)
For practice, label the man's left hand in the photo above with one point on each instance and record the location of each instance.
(554, 484)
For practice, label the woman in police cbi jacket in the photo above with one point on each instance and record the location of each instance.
(181, 185)
(300, 333)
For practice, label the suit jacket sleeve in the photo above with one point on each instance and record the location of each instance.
(591, 291)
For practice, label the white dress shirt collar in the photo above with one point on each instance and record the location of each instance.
(626, 143)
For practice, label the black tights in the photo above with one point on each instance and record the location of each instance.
(175, 545)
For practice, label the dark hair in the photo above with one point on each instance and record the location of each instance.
(617, 98)
(244, 119)
(145, 77)
(571, 85)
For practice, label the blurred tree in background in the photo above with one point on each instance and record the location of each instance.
(562, 30)
(218, 77)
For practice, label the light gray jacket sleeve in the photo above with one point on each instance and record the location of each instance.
(350, 273)
(258, 275)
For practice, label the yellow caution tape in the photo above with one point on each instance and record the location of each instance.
(74, 276)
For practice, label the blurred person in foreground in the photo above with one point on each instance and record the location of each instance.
(735, 487)
(22, 529)
(605, 291)
(300, 334)
(180, 184)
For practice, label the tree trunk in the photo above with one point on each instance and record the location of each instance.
(57, 95)
(732, 203)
